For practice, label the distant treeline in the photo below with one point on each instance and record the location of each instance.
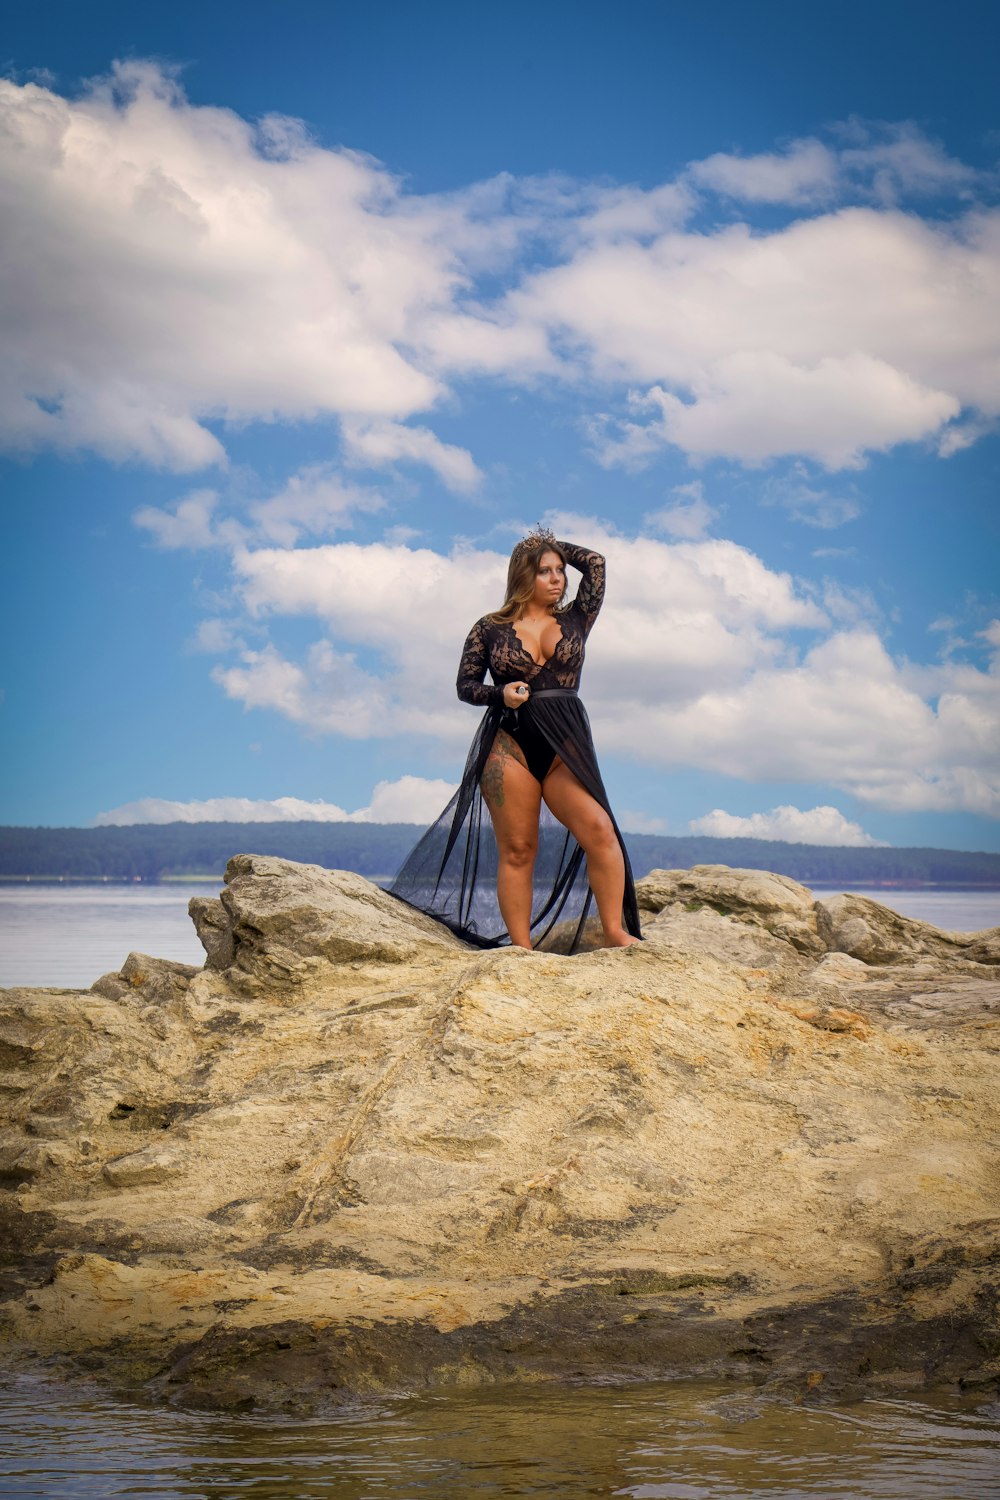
(151, 851)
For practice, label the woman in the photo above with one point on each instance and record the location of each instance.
(518, 875)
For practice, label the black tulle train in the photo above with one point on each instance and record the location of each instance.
(451, 872)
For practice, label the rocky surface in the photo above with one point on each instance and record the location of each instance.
(351, 1154)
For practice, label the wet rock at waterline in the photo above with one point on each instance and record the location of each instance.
(352, 1154)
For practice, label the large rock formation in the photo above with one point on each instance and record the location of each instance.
(351, 1153)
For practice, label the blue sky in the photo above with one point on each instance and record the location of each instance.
(312, 311)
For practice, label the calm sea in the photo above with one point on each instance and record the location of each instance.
(648, 1442)
(67, 935)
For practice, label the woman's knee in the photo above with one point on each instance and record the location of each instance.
(519, 851)
(598, 832)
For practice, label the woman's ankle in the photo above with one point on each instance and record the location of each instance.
(618, 938)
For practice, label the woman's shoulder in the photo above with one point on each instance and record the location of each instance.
(482, 628)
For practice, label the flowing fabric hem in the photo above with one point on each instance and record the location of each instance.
(450, 874)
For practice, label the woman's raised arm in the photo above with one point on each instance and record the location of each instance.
(470, 685)
(590, 595)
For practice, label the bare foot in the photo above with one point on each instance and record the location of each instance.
(623, 940)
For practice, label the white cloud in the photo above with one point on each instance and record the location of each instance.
(847, 714)
(833, 337)
(962, 435)
(317, 501)
(848, 605)
(410, 799)
(684, 613)
(631, 821)
(622, 213)
(373, 444)
(878, 161)
(790, 825)
(696, 661)
(314, 501)
(894, 160)
(175, 265)
(189, 524)
(329, 692)
(173, 269)
(808, 171)
(216, 636)
(805, 501)
(758, 406)
(689, 517)
(411, 607)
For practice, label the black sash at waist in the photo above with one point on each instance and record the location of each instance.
(556, 693)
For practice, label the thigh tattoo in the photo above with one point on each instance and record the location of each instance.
(504, 749)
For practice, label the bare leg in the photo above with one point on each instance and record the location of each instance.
(514, 799)
(594, 831)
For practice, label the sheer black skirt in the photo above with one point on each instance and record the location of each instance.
(451, 872)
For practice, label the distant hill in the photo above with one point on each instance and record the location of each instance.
(152, 851)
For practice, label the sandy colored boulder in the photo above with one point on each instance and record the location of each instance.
(360, 1156)
(871, 932)
(755, 897)
(279, 924)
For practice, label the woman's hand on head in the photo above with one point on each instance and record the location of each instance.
(515, 693)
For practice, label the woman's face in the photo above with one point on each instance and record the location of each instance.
(550, 580)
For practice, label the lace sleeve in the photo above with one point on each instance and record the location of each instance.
(470, 685)
(590, 595)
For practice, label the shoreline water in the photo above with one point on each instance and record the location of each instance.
(64, 934)
(571, 1443)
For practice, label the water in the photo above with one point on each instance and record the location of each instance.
(65, 936)
(648, 1442)
(955, 911)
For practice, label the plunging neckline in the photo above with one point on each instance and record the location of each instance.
(524, 650)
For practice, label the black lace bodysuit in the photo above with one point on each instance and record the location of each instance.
(498, 647)
(451, 873)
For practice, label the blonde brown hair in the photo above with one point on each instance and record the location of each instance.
(522, 570)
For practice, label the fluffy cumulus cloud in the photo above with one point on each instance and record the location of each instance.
(788, 825)
(832, 337)
(170, 264)
(704, 657)
(407, 606)
(896, 736)
(410, 799)
(171, 268)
